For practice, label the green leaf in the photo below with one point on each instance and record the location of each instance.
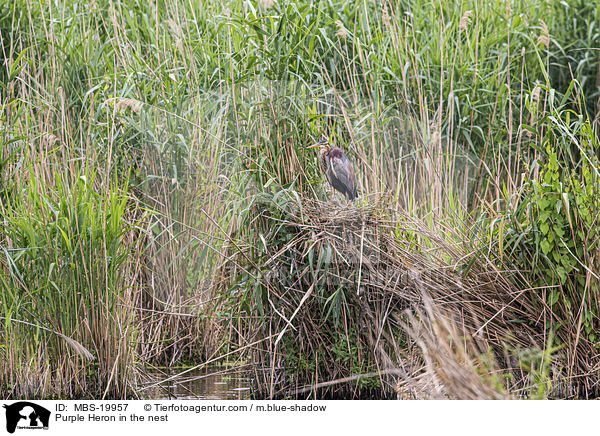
(558, 231)
(562, 274)
(546, 247)
(543, 203)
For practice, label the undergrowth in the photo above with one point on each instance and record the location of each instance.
(159, 205)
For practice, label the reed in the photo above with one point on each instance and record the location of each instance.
(159, 206)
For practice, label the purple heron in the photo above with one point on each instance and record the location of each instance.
(337, 168)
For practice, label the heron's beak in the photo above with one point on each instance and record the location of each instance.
(322, 142)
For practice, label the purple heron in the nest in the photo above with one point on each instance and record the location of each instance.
(337, 168)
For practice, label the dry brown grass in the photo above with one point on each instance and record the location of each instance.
(463, 334)
(451, 363)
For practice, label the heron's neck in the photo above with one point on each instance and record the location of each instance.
(324, 159)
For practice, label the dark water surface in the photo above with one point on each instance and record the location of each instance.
(208, 383)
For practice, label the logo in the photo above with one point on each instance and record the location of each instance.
(26, 415)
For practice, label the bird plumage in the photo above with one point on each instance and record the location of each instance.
(338, 169)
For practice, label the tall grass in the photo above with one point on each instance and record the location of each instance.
(156, 190)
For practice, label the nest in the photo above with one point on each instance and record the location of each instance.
(347, 292)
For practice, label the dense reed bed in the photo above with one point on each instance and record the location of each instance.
(158, 204)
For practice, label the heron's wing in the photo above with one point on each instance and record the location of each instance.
(343, 171)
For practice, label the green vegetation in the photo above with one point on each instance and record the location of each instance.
(158, 204)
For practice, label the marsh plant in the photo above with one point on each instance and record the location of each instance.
(158, 204)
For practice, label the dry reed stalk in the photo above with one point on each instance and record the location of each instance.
(452, 362)
(398, 258)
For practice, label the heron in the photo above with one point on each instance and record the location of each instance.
(337, 168)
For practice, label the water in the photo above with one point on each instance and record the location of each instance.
(208, 383)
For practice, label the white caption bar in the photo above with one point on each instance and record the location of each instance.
(150, 417)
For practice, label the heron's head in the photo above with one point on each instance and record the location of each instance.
(323, 144)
